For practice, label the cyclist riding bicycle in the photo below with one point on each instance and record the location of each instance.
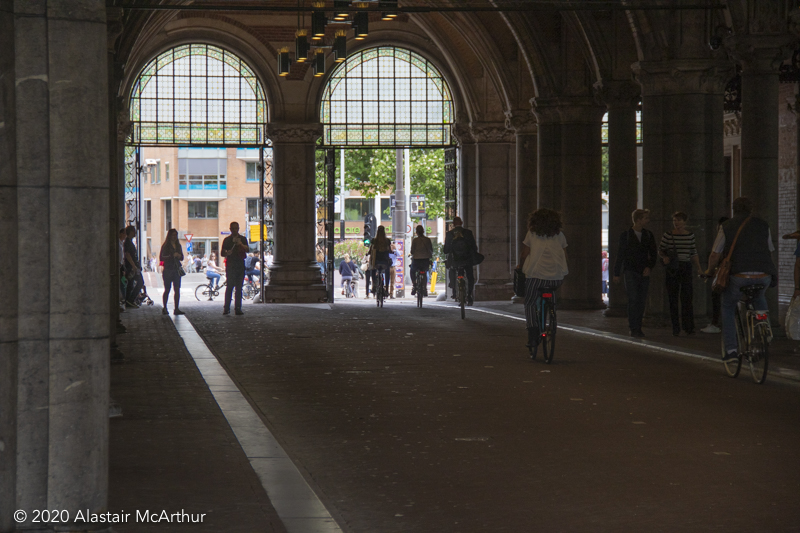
(751, 264)
(421, 254)
(348, 270)
(544, 262)
(213, 271)
(459, 244)
(379, 253)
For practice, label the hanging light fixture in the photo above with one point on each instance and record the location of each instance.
(341, 9)
(390, 7)
(340, 46)
(319, 62)
(283, 61)
(318, 21)
(361, 23)
(301, 48)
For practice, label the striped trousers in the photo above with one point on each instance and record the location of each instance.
(533, 288)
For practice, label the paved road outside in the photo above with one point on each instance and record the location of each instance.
(412, 420)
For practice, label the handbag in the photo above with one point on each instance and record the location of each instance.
(673, 264)
(720, 282)
(519, 282)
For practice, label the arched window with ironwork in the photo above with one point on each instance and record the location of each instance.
(197, 94)
(387, 97)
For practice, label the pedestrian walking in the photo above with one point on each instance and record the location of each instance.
(716, 298)
(635, 259)
(678, 251)
(234, 250)
(368, 273)
(172, 256)
(133, 268)
(604, 264)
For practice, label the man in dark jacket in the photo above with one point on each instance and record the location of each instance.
(234, 250)
(635, 258)
(751, 264)
(460, 247)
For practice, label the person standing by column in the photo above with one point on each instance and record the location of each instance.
(133, 269)
(636, 257)
(171, 255)
(678, 250)
(234, 250)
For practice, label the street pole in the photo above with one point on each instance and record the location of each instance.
(399, 221)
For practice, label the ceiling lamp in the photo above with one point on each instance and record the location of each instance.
(318, 22)
(340, 46)
(361, 25)
(283, 62)
(302, 48)
(390, 7)
(319, 62)
(341, 9)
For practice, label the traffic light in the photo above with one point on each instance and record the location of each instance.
(369, 229)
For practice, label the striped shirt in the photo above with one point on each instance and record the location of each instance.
(684, 244)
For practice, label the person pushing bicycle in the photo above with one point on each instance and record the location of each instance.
(421, 254)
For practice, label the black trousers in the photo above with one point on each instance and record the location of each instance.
(679, 289)
(235, 281)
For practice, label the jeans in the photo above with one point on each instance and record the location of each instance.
(171, 279)
(213, 278)
(636, 285)
(134, 287)
(417, 265)
(253, 272)
(235, 280)
(730, 299)
(679, 286)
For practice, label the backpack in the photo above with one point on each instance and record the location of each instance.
(460, 247)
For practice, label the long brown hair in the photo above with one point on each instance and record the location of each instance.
(381, 242)
(544, 222)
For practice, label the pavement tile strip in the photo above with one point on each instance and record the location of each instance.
(300, 510)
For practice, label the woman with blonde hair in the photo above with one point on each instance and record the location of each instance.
(171, 255)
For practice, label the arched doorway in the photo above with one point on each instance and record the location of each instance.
(198, 117)
(383, 98)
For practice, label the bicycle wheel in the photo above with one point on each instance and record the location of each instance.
(759, 354)
(549, 337)
(204, 292)
(420, 288)
(462, 296)
(248, 291)
(733, 367)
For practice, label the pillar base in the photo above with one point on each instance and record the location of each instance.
(580, 304)
(295, 282)
(311, 294)
(485, 292)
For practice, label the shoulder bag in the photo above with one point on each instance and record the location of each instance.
(720, 282)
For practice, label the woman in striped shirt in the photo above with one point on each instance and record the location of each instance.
(679, 246)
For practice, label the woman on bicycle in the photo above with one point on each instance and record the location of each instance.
(348, 270)
(171, 256)
(379, 250)
(421, 254)
(213, 271)
(544, 262)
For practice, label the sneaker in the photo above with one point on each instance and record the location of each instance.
(226, 311)
(132, 305)
(239, 312)
(178, 312)
(730, 357)
(711, 328)
(164, 311)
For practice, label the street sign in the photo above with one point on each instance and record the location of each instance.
(189, 246)
(417, 208)
(188, 237)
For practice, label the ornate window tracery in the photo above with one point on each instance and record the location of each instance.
(197, 94)
(388, 97)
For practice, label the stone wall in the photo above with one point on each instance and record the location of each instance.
(787, 187)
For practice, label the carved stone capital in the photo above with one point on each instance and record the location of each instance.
(462, 133)
(761, 54)
(114, 27)
(546, 110)
(124, 124)
(732, 124)
(685, 76)
(491, 133)
(619, 93)
(566, 110)
(521, 121)
(281, 133)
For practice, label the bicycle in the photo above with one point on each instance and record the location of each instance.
(753, 334)
(351, 288)
(546, 318)
(420, 286)
(249, 289)
(461, 277)
(381, 290)
(206, 292)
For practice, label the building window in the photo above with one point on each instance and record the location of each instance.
(148, 213)
(252, 209)
(386, 210)
(201, 173)
(252, 175)
(203, 209)
(166, 170)
(158, 172)
(357, 208)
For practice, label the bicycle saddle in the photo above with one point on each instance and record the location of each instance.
(752, 290)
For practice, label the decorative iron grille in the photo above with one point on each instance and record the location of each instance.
(450, 186)
(198, 94)
(387, 97)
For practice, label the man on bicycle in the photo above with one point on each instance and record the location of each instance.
(348, 270)
(421, 254)
(751, 264)
(460, 242)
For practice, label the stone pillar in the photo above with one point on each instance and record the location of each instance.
(684, 166)
(466, 175)
(621, 99)
(524, 126)
(294, 276)
(495, 162)
(60, 186)
(548, 174)
(581, 202)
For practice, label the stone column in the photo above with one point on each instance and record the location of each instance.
(294, 276)
(581, 201)
(621, 99)
(548, 174)
(684, 166)
(495, 158)
(60, 182)
(523, 124)
(466, 175)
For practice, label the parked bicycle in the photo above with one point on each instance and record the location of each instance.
(753, 333)
(207, 291)
(546, 319)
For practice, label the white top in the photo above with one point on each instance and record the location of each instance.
(547, 259)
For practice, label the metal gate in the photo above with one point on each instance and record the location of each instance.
(267, 203)
(330, 194)
(133, 192)
(450, 186)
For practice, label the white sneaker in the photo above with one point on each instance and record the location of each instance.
(711, 328)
